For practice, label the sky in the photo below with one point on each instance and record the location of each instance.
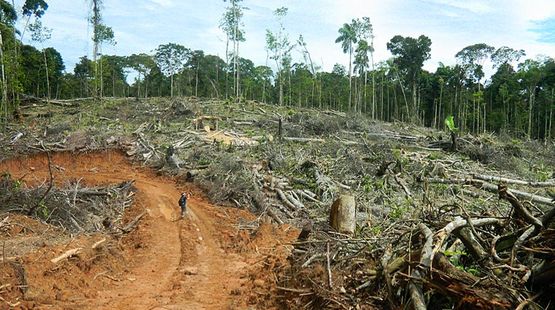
(141, 25)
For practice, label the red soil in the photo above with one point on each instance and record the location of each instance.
(204, 261)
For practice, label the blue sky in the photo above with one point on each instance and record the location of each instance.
(141, 25)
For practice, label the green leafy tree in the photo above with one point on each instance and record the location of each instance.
(171, 58)
(113, 74)
(530, 72)
(506, 55)
(36, 8)
(84, 72)
(348, 38)
(410, 55)
(143, 65)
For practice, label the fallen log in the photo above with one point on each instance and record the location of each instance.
(493, 188)
(417, 295)
(285, 200)
(296, 139)
(490, 178)
(298, 205)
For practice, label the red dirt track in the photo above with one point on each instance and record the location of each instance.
(205, 261)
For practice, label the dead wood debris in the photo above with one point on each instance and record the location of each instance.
(72, 208)
(479, 259)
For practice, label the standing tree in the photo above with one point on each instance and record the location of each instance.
(410, 55)
(280, 48)
(364, 34)
(232, 25)
(348, 38)
(101, 34)
(41, 34)
(143, 64)
(171, 58)
(506, 55)
(8, 16)
(472, 59)
(32, 8)
(531, 72)
(301, 43)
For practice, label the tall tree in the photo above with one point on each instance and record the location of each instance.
(101, 34)
(410, 55)
(41, 34)
(84, 73)
(277, 43)
(348, 38)
(143, 64)
(233, 27)
(361, 63)
(31, 8)
(171, 58)
(531, 73)
(8, 16)
(36, 8)
(364, 37)
(506, 55)
(472, 59)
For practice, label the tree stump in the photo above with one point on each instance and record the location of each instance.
(343, 214)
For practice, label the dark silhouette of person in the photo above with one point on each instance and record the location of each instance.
(183, 203)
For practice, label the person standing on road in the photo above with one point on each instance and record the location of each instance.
(183, 204)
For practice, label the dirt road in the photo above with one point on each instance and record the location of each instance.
(204, 261)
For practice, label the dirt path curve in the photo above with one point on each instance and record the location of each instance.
(180, 263)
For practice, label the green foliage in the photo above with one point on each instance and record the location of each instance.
(398, 211)
(542, 172)
(455, 259)
(171, 58)
(34, 7)
(42, 211)
(450, 124)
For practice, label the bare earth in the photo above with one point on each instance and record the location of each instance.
(208, 260)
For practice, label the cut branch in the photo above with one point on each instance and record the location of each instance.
(67, 254)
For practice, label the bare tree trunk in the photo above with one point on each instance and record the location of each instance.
(4, 82)
(350, 76)
(171, 85)
(289, 84)
(196, 79)
(374, 82)
(96, 17)
(139, 85)
(550, 116)
(439, 107)
(47, 78)
(101, 76)
(227, 68)
(280, 89)
(530, 109)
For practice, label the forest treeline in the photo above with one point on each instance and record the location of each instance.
(518, 98)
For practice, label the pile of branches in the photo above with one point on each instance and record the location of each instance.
(74, 208)
(457, 255)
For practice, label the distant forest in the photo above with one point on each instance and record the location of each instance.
(518, 99)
